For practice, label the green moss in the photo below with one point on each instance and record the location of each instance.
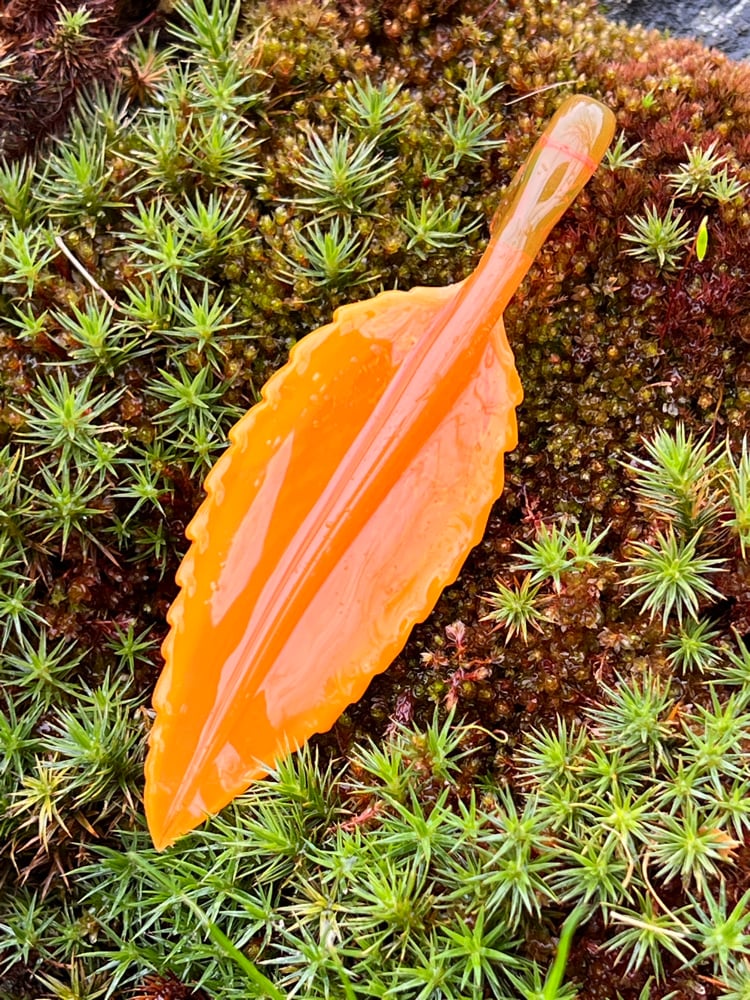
(156, 264)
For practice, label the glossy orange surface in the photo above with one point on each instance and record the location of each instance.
(347, 500)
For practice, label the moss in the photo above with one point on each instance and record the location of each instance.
(53, 50)
(178, 210)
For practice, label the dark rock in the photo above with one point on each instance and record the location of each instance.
(723, 25)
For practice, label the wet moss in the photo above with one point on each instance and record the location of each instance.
(609, 347)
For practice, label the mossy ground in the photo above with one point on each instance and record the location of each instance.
(155, 272)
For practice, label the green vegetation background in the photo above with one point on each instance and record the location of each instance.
(564, 743)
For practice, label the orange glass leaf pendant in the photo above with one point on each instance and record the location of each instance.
(347, 500)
